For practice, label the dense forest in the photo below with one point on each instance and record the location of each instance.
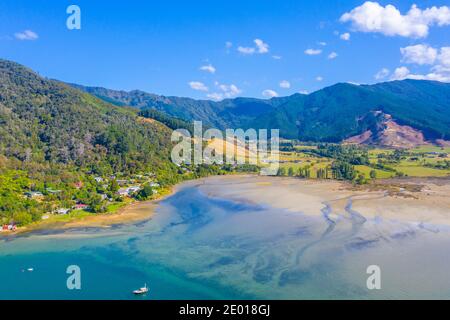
(61, 148)
(331, 114)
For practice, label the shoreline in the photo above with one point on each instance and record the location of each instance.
(423, 202)
(134, 212)
(398, 200)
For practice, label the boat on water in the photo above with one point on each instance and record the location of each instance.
(142, 290)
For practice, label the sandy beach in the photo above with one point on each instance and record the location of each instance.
(132, 213)
(423, 201)
(410, 200)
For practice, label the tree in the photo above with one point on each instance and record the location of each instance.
(361, 179)
(145, 193)
(291, 172)
(95, 202)
(113, 186)
(322, 174)
(22, 218)
(373, 174)
(343, 171)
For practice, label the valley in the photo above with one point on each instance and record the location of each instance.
(69, 152)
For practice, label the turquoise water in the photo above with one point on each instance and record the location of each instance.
(198, 247)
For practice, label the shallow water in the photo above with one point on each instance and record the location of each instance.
(199, 247)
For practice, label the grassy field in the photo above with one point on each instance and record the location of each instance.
(431, 149)
(381, 174)
(416, 169)
(413, 163)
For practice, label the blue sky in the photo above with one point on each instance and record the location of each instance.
(160, 46)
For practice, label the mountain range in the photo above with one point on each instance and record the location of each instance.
(55, 136)
(398, 113)
(36, 112)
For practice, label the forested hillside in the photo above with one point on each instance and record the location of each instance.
(332, 114)
(229, 113)
(54, 140)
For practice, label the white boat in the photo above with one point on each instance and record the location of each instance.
(142, 290)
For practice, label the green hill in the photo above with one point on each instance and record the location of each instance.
(54, 137)
(228, 113)
(332, 114)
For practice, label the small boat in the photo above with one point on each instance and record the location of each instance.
(142, 290)
(30, 269)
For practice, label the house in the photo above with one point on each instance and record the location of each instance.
(154, 185)
(128, 191)
(34, 194)
(9, 227)
(122, 192)
(62, 211)
(81, 206)
(122, 182)
(52, 191)
(133, 189)
(98, 179)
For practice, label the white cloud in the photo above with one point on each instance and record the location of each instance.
(199, 86)
(262, 47)
(345, 36)
(388, 20)
(313, 52)
(269, 93)
(227, 91)
(322, 43)
(26, 35)
(383, 73)
(208, 68)
(246, 50)
(419, 54)
(215, 96)
(277, 57)
(444, 56)
(303, 92)
(285, 84)
(438, 58)
(400, 73)
(319, 78)
(332, 55)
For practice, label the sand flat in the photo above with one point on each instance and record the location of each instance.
(431, 205)
(310, 197)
